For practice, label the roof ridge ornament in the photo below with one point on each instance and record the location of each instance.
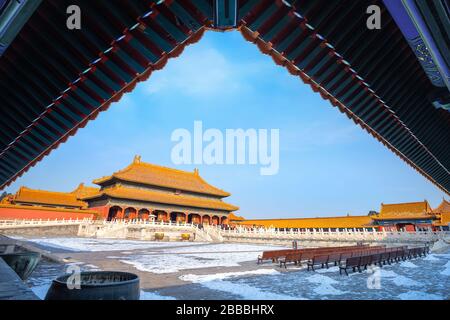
(137, 159)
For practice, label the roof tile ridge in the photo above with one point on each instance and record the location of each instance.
(157, 166)
(48, 191)
(197, 175)
(403, 203)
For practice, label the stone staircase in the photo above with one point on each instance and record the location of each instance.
(214, 234)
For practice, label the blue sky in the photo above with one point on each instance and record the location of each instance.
(328, 165)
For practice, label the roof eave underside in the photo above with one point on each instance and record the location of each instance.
(373, 77)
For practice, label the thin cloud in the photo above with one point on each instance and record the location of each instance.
(202, 71)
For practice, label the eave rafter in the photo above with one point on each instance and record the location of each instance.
(61, 93)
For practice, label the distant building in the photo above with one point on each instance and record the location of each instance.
(409, 216)
(442, 213)
(42, 204)
(413, 216)
(140, 191)
(151, 192)
(333, 223)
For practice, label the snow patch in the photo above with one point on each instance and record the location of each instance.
(431, 257)
(245, 291)
(221, 276)
(446, 272)
(148, 295)
(419, 295)
(408, 264)
(168, 263)
(403, 281)
(95, 245)
(325, 285)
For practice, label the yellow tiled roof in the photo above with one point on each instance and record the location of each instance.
(44, 197)
(122, 192)
(444, 219)
(42, 208)
(408, 210)
(323, 222)
(150, 174)
(82, 191)
(443, 207)
(233, 217)
(404, 217)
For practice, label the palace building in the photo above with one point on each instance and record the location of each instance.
(29, 203)
(152, 192)
(139, 191)
(147, 191)
(411, 216)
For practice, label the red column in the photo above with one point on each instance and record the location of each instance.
(120, 213)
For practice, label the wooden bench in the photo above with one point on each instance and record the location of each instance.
(338, 257)
(366, 260)
(292, 257)
(274, 255)
(376, 259)
(335, 258)
(384, 258)
(351, 262)
(321, 260)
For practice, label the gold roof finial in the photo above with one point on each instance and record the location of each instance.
(137, 159)
(196, 171)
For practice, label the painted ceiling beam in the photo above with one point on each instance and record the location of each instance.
(414, 27)
(13, 16)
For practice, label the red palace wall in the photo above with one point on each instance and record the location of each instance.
(102, 212)
(7, 213)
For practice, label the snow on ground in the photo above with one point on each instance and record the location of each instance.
(149, 295)
(416, 279)
(408, 264)
(167, 263)
(420, 278)
(418, 295)
(218, 282)
(431, 257)
(446, 272)
(94, 245)
(170, 260)
(225, 247)
(324, 285)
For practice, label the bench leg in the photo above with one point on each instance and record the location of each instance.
(345, 270)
